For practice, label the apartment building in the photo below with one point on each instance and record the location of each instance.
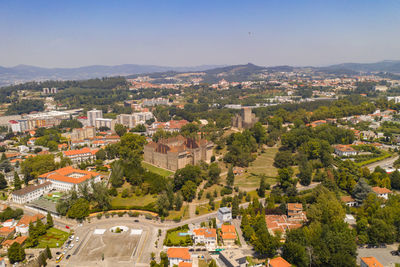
(31, 192)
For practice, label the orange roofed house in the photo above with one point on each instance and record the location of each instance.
(370, 262)
(67, 178)
(176, 152)
(23, 224)
(345, 151)
(206, 236)
(81, 155)
(278, 262)
(228, 234)
(178, 255)
(381, 192)
(20, 240)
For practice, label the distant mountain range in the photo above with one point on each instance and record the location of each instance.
(24, 73)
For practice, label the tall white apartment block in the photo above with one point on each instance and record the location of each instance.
(93, 115)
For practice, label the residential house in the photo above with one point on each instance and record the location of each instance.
(345, 151)
(349, 201)
(7, 232)
(280, 223)
(295, 212)
(20, 240)
(370, 262)
(278, 262)
(206, 236)
(224, 215)
(68, 178)
(23, 224)
(177, 255)
(31, 192)
(228, 234)
(381, 192)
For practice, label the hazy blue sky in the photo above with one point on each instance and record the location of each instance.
(183, 33)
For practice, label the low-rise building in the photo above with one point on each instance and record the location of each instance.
(7, 232)
(280, 223)
(68, 178)
(345, 151)
(224, 215)
(233, 258)
(178, 255)
(295, 212)
(228, 234)
(31, 192)
(381, 192)
(23, 224)
(20, 240)
(370, 262)
(205, 236)
(81, 155)
(349, 201)
(278, 262)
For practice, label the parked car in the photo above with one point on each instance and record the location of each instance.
(71, 246)
(382, 245)
(394, 253)
(68, 257)
(77, 238)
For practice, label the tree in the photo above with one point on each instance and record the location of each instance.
(327, 209)
(48, 253)
(120, 129)
(163, 205)
(395, 179)
(189, 191)
(3, 157)
(235, 206)
(361, 190)
(3, 182)
(295, 252)
(40, 227)
(101, 154)
(49, 221)
(305, 174)
(101, 196)
(16, 253)
(213, 173)
(79, 210)
(283, 159)
(285, 178)
(262, 188)
(178, 201)
(42, 259)
(230, 179)
(188, 173)
(17, 181)
(117, 175)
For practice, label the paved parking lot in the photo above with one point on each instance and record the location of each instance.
(381, 254)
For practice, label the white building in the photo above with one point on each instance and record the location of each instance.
(345, 151)
(31, 192)
(81, 155)
(381, 192)
(131, 120)
(93, 115)
(178, 255)
(205, 236)
(224, 215)
(101, 122)
(67, 178)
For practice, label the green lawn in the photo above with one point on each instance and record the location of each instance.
(262, 165)
(52, 237)
(183, 213)
(160, 171)
(176, 239)
(133, 200)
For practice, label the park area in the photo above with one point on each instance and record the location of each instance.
(154, 169)
(262, 165)
(178, 237)
(53, 238)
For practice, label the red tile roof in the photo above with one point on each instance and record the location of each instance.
(185, 264)
(179, 253)
(279, 262)
(206, 232)
(63, 175)
(380, 190)
(371, 262)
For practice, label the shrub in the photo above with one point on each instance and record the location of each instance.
(121, 213)
(99, 215)
(107, 215)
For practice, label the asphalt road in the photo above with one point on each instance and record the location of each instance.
(383, 163)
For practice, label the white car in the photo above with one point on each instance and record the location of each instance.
(71, 246)
(77, 239)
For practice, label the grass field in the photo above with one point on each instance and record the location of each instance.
(52, 238)
(262, 165)
(133, 200)
(183, 213)
(160, 171)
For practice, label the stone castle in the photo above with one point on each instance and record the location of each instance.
(176, 152)
(245, 120)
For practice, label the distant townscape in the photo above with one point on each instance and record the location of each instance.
(230, 166)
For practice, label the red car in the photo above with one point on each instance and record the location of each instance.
(67, 226)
